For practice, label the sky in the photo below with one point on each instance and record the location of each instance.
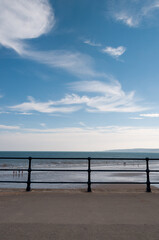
(79, 75)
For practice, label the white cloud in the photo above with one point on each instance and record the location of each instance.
(110, 98)
(7, 127)
(72, 99)
(43, 124)
(128, 20)
(29, 19)
(112, 87)
(24, 113)
(91, 43)
(114, 52)
(150, 115)
(74, 62)
(136, 118)
(80, 139)
(24, 20)
(132, 13)
(82, 124)
(42, 107)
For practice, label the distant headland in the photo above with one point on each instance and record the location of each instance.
(136, 150)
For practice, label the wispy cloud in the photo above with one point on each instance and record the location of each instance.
(91, 43)
(7, 127)
(43, 107)
(24, 113)
(112, 87)
(43, 124)
(150, 115)
(107, 97)
(74, 62)
(3, 112)
(136, 118)
(127, 19)
(25, 20)
(131, 12)
(111, 99)
(82, 124)
(114, 52)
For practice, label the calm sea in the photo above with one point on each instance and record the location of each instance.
(74, 164)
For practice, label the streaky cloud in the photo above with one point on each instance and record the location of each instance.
(150, 115)
(76, 63)
(7, 127)
(136, 118)
(91, 43)
(111, 99)
(29, 19)
(107, 97)
(132, 13)
(42, 107)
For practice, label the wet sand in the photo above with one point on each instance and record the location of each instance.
(110, 212)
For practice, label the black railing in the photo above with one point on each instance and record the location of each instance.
(89, 170)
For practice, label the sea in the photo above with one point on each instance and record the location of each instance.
(74, 164)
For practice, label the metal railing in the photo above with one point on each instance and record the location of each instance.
(89, 170)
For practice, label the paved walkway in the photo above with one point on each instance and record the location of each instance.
(76, 215)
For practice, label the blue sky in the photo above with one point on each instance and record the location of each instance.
(79, 75)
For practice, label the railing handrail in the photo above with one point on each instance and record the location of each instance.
(82, 158)
(89, 170)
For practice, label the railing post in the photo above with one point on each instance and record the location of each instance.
(89, 175)
(28, 188)
(148, 187)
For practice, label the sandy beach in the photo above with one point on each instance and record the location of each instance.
(110, 212)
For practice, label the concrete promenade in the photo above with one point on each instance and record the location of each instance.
(78, 215)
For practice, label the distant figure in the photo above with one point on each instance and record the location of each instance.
(124, 164)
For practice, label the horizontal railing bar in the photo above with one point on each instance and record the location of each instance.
(59, 170)
(98, 170)
(85, 158)
(118, 182)
(13, 181)
(123, 159)
(92, 170)
(154, 182)
(75, 170)
(18, 169)
(40, 158)
(78, 182)
(59, 182)
(36, 158)
(18, 158)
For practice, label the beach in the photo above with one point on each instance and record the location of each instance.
(110, 212)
